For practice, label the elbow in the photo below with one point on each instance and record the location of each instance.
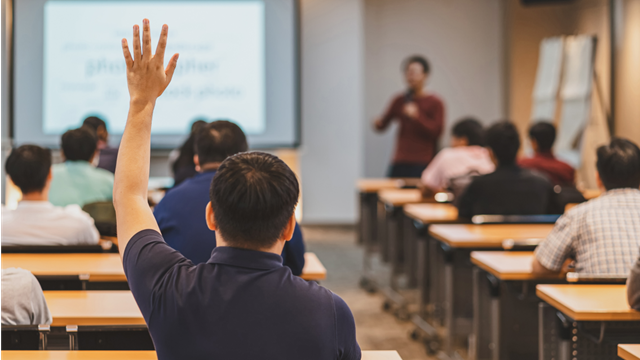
(539, 270)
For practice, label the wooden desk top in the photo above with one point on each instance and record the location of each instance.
(375, 185)
(489, 235)
(313, 268)
(93, 308)
(589, 302)
(108, 267)
(99, 267)
(629, 351)
(507, 265)
(399, 197)
(432, 213)
(138, 355)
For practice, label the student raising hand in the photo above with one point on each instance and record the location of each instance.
(146, 75)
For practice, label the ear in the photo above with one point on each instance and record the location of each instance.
(196, 160)
(50, 175)
(210, 217)
(287, 234)
(534, 144)
(599, 181)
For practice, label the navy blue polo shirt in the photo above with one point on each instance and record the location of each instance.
(181, 218)
(241, 304)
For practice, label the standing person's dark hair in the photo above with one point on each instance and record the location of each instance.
(256, 186)
(619, 164)
(184, 167)
(504, 141)
(79, 144)
(426, 67)
(544, 134)
(218, 140)
(98, 126)
(471, 129)
(29, 166)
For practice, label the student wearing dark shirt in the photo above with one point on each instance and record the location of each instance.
(421, 118)
(510, 189)
(179, 214)
(542, 136)
(242, 303)
(107, 155)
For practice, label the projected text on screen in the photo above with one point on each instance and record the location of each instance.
(220, 73)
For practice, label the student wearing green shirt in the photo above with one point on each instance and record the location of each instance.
(76, 181)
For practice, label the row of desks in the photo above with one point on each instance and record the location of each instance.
(457, 245)
(107, 267)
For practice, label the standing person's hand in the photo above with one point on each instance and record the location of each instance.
(411, 110)
(378, 124)
(146, 77)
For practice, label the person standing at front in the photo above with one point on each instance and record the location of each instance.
(421, 118)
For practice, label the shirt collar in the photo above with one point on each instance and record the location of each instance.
(245, 258)
(623, 191)
(32, 204)
(545, 154)
(77, 163)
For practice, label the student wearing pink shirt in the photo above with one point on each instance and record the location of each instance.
(453, 168)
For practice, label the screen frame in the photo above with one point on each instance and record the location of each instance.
(297, 82)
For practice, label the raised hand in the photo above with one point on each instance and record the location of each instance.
(146, 76)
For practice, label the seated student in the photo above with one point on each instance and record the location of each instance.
(179, 214)
(453, 168)
(76, 181)
(633, 286)
(36, 221)
(242, 303)
(181, 159)
(509, 190)
(542, 135)
(23, 302)
(601, 235)
(107, 155)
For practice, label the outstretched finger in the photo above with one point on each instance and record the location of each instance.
(137, 54)
(171, 67)
(146, 40)
(162, 43)
(127, 54)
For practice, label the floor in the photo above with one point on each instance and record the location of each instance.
(376, 330)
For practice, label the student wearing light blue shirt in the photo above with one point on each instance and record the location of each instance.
(76, 181)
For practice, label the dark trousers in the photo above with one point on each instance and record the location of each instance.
(402, 170)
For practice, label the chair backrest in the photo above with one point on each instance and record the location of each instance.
(104, 216)
(514, 219)
(24, 337)
(52, 249)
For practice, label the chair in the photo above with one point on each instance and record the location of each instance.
(104, 216)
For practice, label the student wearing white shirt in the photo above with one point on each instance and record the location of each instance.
(36, 221)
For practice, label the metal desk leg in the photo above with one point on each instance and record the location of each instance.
(368, 222)
(475, 327)
(448, 307)
(395, 300)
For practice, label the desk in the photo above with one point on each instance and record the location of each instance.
(138, 355)
(591, 311)
(451, 271)
(313, 269)
(505, 308)
(93, 308)
(629, 351)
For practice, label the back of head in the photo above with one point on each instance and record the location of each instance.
(619, 164)
(94, 123)
(503, 139)
(28, 166)
(419, 59)
(471, 129)
(253, 196)
(219, 140)
(79, 144)
(544, 133)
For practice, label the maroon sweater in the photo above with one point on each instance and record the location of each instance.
(417, 138)
(560, 173)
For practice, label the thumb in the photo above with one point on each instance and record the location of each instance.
(171, 67)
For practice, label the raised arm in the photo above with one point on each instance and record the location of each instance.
(147, 79)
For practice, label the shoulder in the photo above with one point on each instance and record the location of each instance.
(102, 173)
(535, 176)
(434, 100)
(59, 168)
(17, 277)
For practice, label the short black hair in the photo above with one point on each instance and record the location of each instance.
(471, 129)
(94, 122)
(28, 166)
(79, 144)
(619, 164)
(503, 139)
(544, 133)
(219, 140)
(253, 196)
(426, 68)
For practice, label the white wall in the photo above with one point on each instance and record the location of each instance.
(462, 39)
(332, 108)
(5, 147)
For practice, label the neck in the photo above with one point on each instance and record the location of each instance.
(35, 196)
(209, 166)
(275, 249)
(418, 92)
